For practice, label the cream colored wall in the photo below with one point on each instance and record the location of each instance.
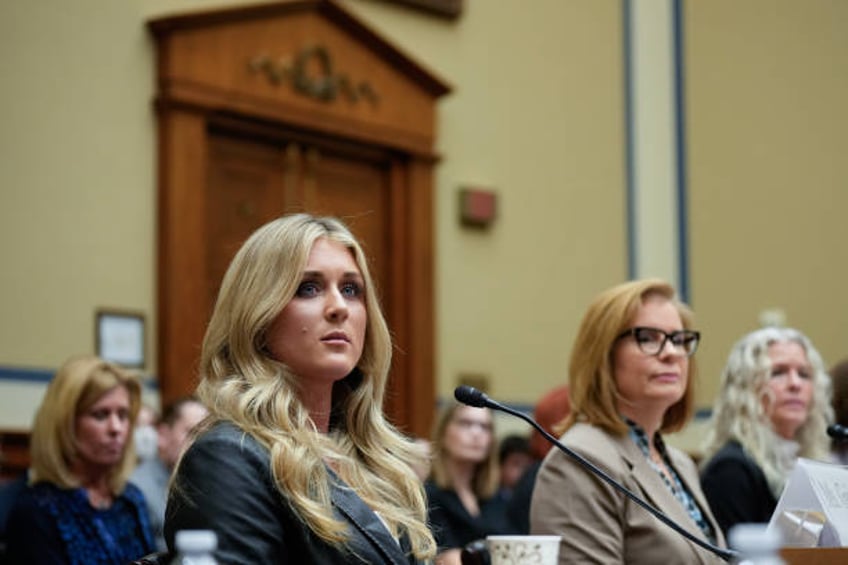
(537, 114)
(653, 113)
(76, 171)
(767, 120)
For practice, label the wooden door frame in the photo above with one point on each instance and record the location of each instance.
(182, 313)
(186, 110)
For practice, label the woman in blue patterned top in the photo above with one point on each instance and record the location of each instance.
(78, 507)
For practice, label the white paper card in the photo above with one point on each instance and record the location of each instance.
(813, 509)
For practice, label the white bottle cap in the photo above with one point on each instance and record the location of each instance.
(196, 541)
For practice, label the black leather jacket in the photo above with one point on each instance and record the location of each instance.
(224, 483)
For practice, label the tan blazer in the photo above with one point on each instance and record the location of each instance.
(599, 524)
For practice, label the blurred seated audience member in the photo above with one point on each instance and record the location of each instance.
(9, 491)
(839, 380)
(773, 407)
(550, 412)
(147, 415)
(425, 464)
(514, 458)
(153, 475)
(297, 462)
(631, 379)
(145, 436)
(463, 498)
(79, 507)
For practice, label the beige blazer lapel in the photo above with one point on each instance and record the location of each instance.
(656, 493)
(689, 475)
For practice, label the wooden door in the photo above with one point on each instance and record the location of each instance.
(285, 107)
(254, 178)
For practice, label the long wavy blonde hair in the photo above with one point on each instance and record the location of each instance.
(242, 383)
(740, 413)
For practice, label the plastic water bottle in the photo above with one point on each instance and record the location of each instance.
(195, 547)
(756, 544)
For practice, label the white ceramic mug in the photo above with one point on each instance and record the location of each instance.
(523, 550)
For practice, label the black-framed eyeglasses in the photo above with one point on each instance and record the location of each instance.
(651, 341)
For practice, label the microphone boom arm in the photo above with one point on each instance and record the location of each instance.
(482, 400)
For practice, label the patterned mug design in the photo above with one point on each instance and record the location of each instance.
(517, 552)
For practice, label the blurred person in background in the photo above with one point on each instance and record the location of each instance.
(145, 437)
(152, 475)
(773, 407)
(423, 466)
(79, 507)
(514, 459)
(463, 498)
(839, 381)
(550, 413)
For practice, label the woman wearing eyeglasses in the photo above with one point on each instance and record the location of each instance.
(773, 407)
(630, 379)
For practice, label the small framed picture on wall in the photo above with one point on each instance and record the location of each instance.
(120, 337)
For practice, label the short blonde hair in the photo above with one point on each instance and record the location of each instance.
(78, 384)
(592, 385)
(486, 478)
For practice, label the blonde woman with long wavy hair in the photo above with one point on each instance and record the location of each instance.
(773, 407)
(297, 463)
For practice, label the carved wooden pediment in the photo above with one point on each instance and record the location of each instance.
(307, 62)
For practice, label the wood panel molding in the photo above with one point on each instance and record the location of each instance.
(211, 59)
(450, 9)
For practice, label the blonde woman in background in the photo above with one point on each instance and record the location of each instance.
(79, 507)
(631, 379)
(299, 464)
(464, 501)
(773, 407)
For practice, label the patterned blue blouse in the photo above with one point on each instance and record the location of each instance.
(53, 525)
(676, 486)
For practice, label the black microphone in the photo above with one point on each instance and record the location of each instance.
(472, 397)
(838, 432)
